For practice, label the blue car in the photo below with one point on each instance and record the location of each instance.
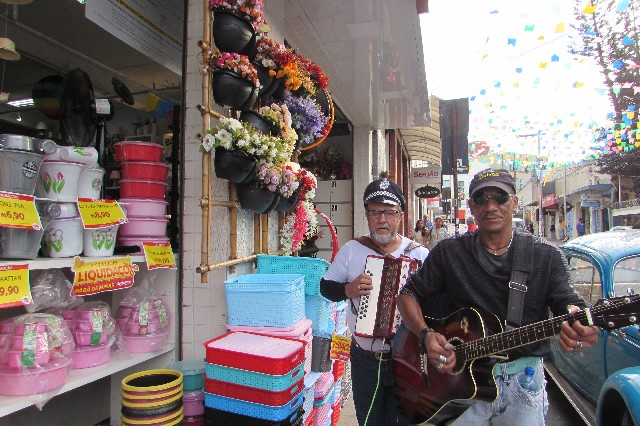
(603, 383)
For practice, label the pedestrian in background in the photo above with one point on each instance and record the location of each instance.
(471, 224)
(580, 227)
(437, 233)
(419, 232)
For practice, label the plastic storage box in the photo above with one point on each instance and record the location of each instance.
(317, 309)
(251, 409)
(253, 394)
(265, 300)
(255, 352)
(313, 269)
(253, 379)
(301, 331)
(309, 391)
(215, 417)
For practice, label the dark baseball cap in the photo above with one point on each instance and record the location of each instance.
(498, 178)
(384, 191)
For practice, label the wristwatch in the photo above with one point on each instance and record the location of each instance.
(423, 334)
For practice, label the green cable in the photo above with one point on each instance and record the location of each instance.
(376, 391)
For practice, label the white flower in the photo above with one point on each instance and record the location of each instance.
(208, 142)
(224, 137)
(234, 124)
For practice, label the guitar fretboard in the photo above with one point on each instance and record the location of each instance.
(521, 336)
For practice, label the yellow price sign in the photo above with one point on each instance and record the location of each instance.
(100, 213)
(91, 277)
(14, 285)
(340, 347)
(159, 255)
(19, 211)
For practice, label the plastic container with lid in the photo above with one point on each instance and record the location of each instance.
(192, 372)
(193, 403)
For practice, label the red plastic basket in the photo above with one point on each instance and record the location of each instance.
(255, 352)
(338, 370)
(311, 417)
(250, 394)
(335, 412)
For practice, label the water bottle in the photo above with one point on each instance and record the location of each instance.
(527, 381)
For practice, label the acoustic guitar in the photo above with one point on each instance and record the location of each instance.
(479, 341)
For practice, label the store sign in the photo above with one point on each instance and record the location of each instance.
(340, 347)
(159, 255)
(427, 192)
(426, 175)
(18, 211)
(100, 213)
(591, 203)
(14, 286)
(102, 275)
(548, 200)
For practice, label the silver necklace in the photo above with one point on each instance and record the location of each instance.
(495, 250)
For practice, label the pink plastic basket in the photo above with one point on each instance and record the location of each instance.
(255, 352)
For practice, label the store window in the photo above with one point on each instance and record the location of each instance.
(626, 276)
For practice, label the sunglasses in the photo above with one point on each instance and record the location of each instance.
(499, 199)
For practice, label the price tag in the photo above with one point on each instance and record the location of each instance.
(159, 255)
(340, 347)
(100, 213)
(19, 211)
(102, 275)
(14, 285)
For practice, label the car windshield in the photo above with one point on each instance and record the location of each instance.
(626, 275)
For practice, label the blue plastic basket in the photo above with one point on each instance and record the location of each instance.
(341, 315)
(317, 309)
(313, 269)
(252, 409)
(251, 378)
(265, 300)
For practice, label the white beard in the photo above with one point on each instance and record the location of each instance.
(383, 240)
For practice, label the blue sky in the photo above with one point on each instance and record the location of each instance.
(511, 59)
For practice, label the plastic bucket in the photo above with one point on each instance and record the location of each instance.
(19, 171)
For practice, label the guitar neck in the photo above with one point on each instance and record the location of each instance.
(501, 342)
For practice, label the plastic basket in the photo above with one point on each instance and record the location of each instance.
(335, 411)
(324, 410)
(320, 360)
(313, 269)
(317, 309)
(308, 393)
(251, 378)
(337, 369)
(337, 391)
(252, 394)
(265, 300)
(309, 419)
(252, 409)
(215, 417)
(340, 315)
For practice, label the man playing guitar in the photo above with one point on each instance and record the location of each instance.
(475, 271)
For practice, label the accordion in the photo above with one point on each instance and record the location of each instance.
(378, 315)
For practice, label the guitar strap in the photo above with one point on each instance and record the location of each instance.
(521, 267)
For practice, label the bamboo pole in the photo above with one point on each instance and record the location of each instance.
(265, 233)
(206, 268)
(257, 235)
(205, 244)
(233, 225)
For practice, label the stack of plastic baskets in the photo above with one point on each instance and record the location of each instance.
(323, 395)
(309, 396)
(253, 379)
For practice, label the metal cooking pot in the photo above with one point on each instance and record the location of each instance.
(27, 143)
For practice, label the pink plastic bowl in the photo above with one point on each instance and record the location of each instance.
(86, 357)
(140, 207)
(134, 328)
(17, 341)
(83, 338)
(14, 358)
(138, 188)
(143, 227)
(138, 151)
(143, 344)
(150, 170)
(29, 381)
(40, 327)
(193, 403)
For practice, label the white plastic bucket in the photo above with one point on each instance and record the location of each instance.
(100, 242)
(90, 184)
(63, 238)
(58, 180)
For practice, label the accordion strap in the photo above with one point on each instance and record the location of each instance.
(368, 242)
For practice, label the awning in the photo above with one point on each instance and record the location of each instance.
(598, 188)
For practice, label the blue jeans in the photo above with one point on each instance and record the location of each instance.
(514, 405)
(364, 378)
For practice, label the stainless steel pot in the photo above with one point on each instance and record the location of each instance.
(17, 243)
(27, 143)
(19, 170)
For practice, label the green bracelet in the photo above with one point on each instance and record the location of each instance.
(423, 334)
